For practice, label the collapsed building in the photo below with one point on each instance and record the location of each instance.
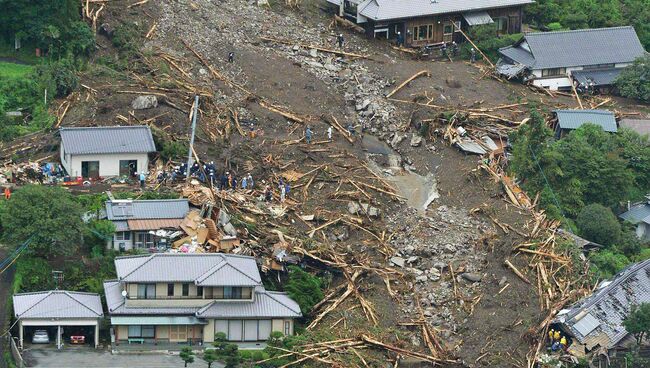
(595, 324)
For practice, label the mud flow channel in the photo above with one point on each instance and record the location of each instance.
(418, 190)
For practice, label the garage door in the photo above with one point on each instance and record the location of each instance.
(250, 330)
(235, 330)
(264, 329)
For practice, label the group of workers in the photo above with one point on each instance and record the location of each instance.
(557, 340)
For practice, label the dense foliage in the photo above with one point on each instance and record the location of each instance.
(638, 321)
(486, 39)
(304, 288)
(581, 178)
(634, 81)
(577, 14)
(49, 216)
(53, 25)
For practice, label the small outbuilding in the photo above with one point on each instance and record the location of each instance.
(93, 152)
(64, 316)
(568, 120)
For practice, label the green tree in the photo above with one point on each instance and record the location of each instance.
(187, 355)
(634, 81)
(638, 321)
(49, 216)
(607, 262)
(210, 356)
(220, 341)
(304, 288)
(598, 224)
(230, 355)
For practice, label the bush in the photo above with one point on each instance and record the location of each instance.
(598, 224)
(486, 39)
(60, 76)
(555, 26)
(608, 263)
(304, 288)
(634, 81)
(32, 274)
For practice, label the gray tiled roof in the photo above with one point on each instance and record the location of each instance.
(603, 77)
(599, 317)
(639, 212)
(147, 209)
(116, 306)
(574, 119)
(267, 304)
(57, 304)
(379, 10)
(641, 126)
(114, 139)
(518, 55)
(578, 47)
(201, 269)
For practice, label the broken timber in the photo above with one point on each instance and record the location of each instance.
(416, 75)
(336, 52)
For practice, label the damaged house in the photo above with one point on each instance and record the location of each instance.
(178, 298)
(137, 222)
(557, 60)
(97, 152)
(595, 324)
(429, 22)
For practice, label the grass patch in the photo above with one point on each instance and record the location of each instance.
(13, 70)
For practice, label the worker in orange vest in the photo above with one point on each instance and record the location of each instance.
(7, 193)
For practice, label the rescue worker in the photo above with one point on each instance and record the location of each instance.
(143, 177)
(472, 55)
(563, 343)
(551, 334)
(7, 193)
(231, 57)
(340, 40)
(556, 336)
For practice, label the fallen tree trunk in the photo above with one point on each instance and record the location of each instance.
(416, 75)
(336, 52)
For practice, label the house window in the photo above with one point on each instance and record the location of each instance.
(230, 292)
(448, 29)
(502, 25)
(287, 328)
(146, 291)
(186, 289)
(170, 289)
(423, 32)
(199, 291)
(457, 27)
(350, 8)
(553, 72)
(123, 235)
(144, 240)
(142, 331)
(128, 167)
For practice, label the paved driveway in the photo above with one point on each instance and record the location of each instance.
(47, 358)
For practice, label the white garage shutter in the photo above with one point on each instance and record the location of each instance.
(250, 330)
(235, 330)
(221, 325)
(264, 329)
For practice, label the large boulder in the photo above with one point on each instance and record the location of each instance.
(144, 102)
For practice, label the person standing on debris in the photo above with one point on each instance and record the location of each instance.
(143, 177)
(350, 128)
(472, 55)
(556, 336)
(244, 182)
(283, 192)
(329, 133)
(563, 343)
(249, 181)
(550, 335)
(308, 134)
(231, 57)
(400, 39)
(268, 195)
(252, 128)
(340, 40)
(287, 189)
(7, 193)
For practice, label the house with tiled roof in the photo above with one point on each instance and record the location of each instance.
(137, 221)
(96, 152)
(176, 298)
(586, 58)
(568, 120)
(638, 214)
(430, 22)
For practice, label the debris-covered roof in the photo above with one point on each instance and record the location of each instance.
(57, 304)
(392, 9)
(113, 139)
(204, 269)
(597, 319)
(641, 126)
(561, 49)
(580, 242)
(574, 119)
(639, 212)
(603, 77)
(267, 304)
(147, 209)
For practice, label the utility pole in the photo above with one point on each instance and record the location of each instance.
(189, 155)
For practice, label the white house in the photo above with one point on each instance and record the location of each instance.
(135, 221)
(94, 152)
(555, 60)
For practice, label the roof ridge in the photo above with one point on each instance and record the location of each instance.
(595, 111)
(211, 270)
(149, 258)
(234, 267)
(577, 30)
(83, 304)
(106, 127)
(204, 308)
(35, 304)
(272, 297)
